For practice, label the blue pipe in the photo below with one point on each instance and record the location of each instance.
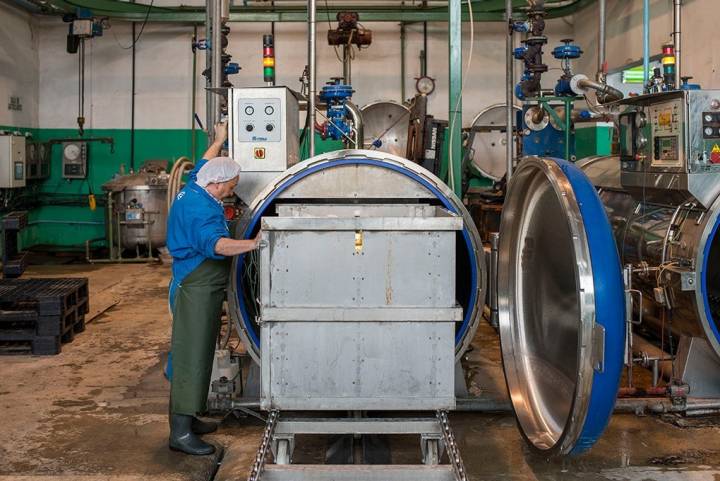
(646, 42)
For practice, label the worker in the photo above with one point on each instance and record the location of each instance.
(198, 239)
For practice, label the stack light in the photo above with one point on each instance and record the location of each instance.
(269, 59)
(668, 63)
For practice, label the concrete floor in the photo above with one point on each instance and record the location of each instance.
(98, 410)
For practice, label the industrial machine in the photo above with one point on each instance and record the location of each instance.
(137, 210)
(661, 195)
(12, 161)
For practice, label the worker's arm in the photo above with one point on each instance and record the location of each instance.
(233, 247)
(214, 149)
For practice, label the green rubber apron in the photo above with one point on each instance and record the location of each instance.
(196, 324)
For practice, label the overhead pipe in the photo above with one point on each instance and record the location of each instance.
(677, 36)
(216, 67)
(312, 41)
(209, 96)
(646, 43)
(509, 80)
(602, 40)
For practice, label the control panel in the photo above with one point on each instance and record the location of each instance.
(74, 160)
(12, 161)
(264, 130)
(670, 145)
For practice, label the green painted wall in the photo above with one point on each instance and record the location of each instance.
(59, 223)
(71, 225)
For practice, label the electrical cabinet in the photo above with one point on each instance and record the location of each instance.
(12, 161)
(263, 135)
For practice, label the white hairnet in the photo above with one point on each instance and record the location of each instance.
(217, 170)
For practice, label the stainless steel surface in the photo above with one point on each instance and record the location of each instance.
(580, 84)
(677, 40)
(675, 161)
(358, 426)
(263, 135)
(330, 339)
(509, 84)
(386, 121)
(698, 366)
(149, 190)
(312, 66)
(360, 185)
(602, 42)
(546, 306)
(492, 281)
(349, 472)
(487, 141)
(670, 238)
(358, 125)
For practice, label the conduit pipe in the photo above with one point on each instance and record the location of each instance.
(312, 41)
(509, 80)
(677, 36)
(605, 93)
(646, 43)
(602, 67)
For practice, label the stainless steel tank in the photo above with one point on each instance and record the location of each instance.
(679, 246)
(357, 180)
(386, 123)
(138, 210)
(487, 140)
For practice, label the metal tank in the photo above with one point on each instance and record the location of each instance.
(386, 127)
(680, 248)
(487, 141)
(359, 181)
(137, 208)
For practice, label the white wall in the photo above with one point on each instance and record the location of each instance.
(164, 69)
(701, 46)
(18, 67)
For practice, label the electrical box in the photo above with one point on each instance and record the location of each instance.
(12, 161)
(74, 160)
(670, 146)
(263, 135)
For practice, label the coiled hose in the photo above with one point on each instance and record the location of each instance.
(179, 168)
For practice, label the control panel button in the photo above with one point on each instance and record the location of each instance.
(269, 127)
(249, 110)
(249, 127)
(269, 110)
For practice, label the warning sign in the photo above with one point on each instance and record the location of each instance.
(715, 154)
(259, 153)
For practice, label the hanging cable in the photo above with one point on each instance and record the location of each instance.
(142, 29)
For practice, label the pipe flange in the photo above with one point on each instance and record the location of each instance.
(574, 84)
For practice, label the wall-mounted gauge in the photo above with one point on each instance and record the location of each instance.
(425, 85)
(74, 163)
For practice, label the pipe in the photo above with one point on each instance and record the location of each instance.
(602, 40)
(493, 301)
(646, 43)
(606, 93)
(312, 41)
(356, 116)
(677, 36)
(509, 80)
(216, 71)
(649, 350)
(402, 62)
(132, 102)
(209, 97)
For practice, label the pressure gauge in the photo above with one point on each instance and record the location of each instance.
(708, 118)
(425, 85)
(640, 142)
(708, 131)
(71, 152)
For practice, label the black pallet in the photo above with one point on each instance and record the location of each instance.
(14, 261)
(38, 315)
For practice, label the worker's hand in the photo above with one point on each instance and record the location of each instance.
(221, 133)
(257, 239)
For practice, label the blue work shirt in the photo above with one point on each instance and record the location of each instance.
(195, 224)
